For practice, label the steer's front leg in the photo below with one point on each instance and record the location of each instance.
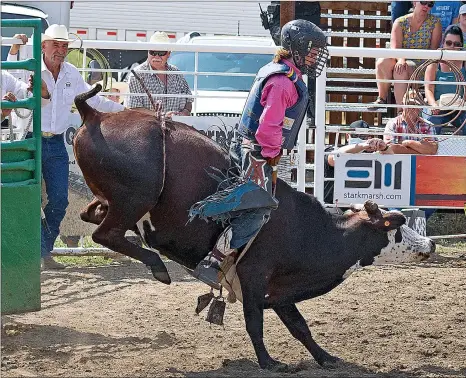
(296, 324)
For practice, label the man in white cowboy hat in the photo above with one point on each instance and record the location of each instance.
(63, 82)
(160, 83)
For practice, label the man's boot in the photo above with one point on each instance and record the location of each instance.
(48, 263)
(208, 269)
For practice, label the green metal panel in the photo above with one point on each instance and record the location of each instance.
(20, 191)
(20, 248)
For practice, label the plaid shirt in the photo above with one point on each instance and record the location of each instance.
(399, 125)
(176, 84)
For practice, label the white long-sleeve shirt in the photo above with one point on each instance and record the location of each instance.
(13, 85)
(18, 87)
(63, 91)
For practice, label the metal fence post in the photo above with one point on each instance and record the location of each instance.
(21, 195)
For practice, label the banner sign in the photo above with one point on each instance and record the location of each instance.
(400, 180)
(440, 181)
(385, 179)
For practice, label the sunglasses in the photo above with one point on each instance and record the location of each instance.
(430, 4)
(158, 53)
(451, 43)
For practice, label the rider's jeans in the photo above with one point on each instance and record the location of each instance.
(245, 226)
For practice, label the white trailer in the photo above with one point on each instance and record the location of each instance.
(54, 12)
(138, 20)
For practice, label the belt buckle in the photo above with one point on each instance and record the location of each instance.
(47, 134)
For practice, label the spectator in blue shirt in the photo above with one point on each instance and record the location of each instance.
(447, 11)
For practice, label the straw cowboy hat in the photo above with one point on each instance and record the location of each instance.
(160, 37)
(113, 84)
(56, 33)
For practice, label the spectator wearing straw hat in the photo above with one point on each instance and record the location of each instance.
(63, 82)
(160, 83)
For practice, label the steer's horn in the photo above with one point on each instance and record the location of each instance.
(371, 207)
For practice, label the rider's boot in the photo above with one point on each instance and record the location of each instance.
(208, 269)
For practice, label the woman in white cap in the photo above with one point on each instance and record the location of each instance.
(160, 83)
(63, 82)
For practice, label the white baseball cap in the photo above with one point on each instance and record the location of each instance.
(463, 9)
(56, 32)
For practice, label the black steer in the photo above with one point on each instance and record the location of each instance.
(136, 168)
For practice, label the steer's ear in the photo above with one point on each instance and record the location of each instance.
(386, 221)
(390, 220)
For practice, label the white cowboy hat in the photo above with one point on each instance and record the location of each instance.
(160, 37)
(56, 32)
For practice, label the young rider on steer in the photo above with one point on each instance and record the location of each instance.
(271, 119)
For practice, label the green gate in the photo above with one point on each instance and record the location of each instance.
(21, 195)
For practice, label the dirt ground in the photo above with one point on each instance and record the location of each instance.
(115, 321)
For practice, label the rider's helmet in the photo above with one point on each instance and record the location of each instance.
(301, 37)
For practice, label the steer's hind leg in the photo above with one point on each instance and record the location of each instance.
(296, 324)
(111, 234)
(252, 287)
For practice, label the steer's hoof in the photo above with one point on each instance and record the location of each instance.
(160, 274)
(328, 361)
(275, 366)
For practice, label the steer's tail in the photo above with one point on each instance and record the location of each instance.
(86, 111)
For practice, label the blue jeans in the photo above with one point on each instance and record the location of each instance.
(400, 8)
(249, 223)
(438, 120)
(55, 170)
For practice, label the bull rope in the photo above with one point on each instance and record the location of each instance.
(159, 115)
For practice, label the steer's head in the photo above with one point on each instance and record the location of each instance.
(385, 238)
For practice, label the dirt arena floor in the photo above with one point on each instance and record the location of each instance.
(116, 321)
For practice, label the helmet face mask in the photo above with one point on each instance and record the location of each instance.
(307, 44)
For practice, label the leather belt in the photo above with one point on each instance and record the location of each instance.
(47, 134)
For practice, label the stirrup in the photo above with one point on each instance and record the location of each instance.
(207, 272)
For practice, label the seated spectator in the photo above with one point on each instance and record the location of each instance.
(417, 30)
(160, 83)
(115, 86)
(462, 22)
(409, 122)
(447, 11)
(356, 144)
(452, 40)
